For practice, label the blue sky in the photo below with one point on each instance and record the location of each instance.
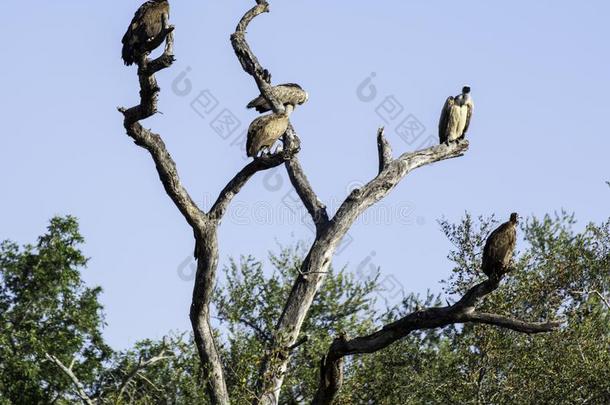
(540, 78)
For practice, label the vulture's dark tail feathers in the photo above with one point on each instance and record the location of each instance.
(128, 51)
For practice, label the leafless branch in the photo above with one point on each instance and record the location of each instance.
(462, 311)
(153, 143)
(299, 343)
(204, 225)
(248, 60)
(384, 150)
(329, 233)
(316, 209)
(600, 295)
(315, 264)
(262, 78)
(78, 386)
(241, 178)
(141, 365)
(204, 228)
(512, 324)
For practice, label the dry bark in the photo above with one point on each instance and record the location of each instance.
(329, 232)
(463, 311)
(204, 224)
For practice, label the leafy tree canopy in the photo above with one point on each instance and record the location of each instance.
(45, 308)
(559, 273)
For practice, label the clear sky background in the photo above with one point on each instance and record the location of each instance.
(540, 74)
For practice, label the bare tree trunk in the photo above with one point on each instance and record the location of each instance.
(328, 237)
(207, 264)
(204, 224)
(329, 232)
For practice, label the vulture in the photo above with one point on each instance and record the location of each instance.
(147, 23)
(265, 130)
(288, 93)
(455, 117)
(499, 247)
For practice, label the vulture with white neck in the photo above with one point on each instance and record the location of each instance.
(455, 117)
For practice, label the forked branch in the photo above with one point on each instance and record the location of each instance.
(248, 60)
(463, 311)
(241, 178)
(79, 388)
(384, 150)
(204, 225)
(153, 143)
(328, 232)
(139, 366)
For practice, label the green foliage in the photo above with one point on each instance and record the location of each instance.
(558, 273)
(175, 378)
(251, 302)
(46, 308)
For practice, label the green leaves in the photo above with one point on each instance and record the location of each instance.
(561, 271)
(46, 308)
(250, 302)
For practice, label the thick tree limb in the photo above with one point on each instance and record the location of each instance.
(268, 390)
(461, 312)
(329, 232)
(204, 225)
(262, 77)
(318, 259)
(315, 207)
(79, 388)
(204, 229)
(331, 377)
(241, 178)
(153, 143)
(248, 60)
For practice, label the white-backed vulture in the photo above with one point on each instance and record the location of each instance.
(288, 93)
(265, 130)
(455, 117)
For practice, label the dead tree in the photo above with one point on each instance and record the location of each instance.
(329, 232)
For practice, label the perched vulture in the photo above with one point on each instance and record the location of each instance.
(500, 246)
(288, 93)
(455, 117)
(147, 23)
(265, 130)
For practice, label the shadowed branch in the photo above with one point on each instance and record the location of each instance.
(153, 143)
(241, 178)
(204, 229)
(463, 311)
(384, 150)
